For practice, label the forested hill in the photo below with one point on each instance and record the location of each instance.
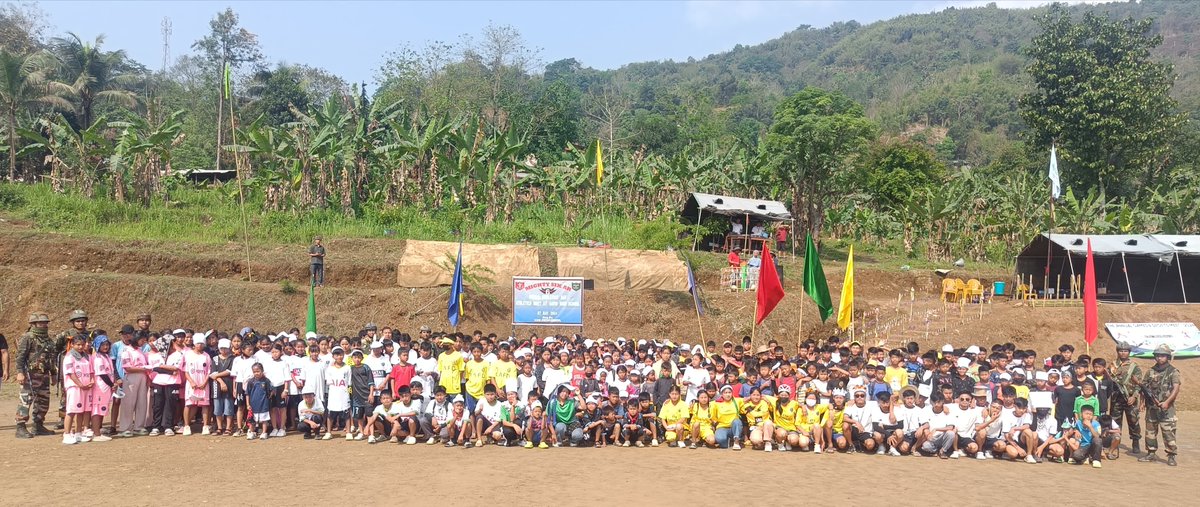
(960, 71)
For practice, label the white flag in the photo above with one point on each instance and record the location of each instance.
(1055, 188)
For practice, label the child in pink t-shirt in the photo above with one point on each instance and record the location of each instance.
(105, 382)
(77, 379)
(197, 365)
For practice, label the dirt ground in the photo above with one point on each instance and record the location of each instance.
(292, 471)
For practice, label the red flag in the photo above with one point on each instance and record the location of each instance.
(770, 289)
(1091, 313)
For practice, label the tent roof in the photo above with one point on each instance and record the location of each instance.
(735, 206)
(1157, 245)
(1185, 245)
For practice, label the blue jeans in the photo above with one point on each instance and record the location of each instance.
(223, 406)
(471, 401)
(576, 435)
(726, 436)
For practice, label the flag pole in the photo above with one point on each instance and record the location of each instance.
(754, 321)
(699, 323)
(800, 326)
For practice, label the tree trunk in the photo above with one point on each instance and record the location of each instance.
(12, 144)
(220, 110)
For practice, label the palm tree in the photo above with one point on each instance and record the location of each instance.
(22, 85)
(92, 75)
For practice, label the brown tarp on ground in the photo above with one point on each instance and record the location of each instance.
(424, 263)
(624, 269)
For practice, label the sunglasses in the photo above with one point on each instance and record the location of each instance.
(860, 396)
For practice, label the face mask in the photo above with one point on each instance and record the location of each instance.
(811, 403)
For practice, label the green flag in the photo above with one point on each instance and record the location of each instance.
(814, 279)
(310, 324)
(226, 80)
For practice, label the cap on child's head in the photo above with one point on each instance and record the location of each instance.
(458, 399)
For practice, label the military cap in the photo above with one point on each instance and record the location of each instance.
(371, 327)
(77, 315)
(143, 316)
(38, 317)
(1163, 350)
(1124, 345)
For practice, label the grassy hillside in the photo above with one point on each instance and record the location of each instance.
(957, 72)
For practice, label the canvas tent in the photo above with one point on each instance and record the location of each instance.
(699, 204)
(1139, 268)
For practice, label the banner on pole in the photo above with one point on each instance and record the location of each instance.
(1182, 337)
(545, 301)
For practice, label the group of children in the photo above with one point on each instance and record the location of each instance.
(385, 386)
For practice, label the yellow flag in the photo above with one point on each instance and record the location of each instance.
(599, 164)
(846, 306)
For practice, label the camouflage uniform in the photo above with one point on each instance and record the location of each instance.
(1123, 401)
(1160, 384)
(36, 358)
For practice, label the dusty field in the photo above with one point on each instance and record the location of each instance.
(293, 471)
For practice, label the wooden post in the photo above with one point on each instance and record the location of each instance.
(1057, 286)
(800, 326)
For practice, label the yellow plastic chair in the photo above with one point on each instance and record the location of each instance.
(974, 289)
(949, 288)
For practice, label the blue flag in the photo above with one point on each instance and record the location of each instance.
(454, 310)
(694, 289)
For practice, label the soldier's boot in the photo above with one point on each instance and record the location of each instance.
(22, 431)
(1135, 448)
(1171, 460)
(40, 429)
(58, 426)
(1150, 456)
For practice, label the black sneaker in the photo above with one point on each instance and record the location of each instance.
(308, 436)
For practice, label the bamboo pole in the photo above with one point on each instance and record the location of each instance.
(1125, 269)
(800, 326)
(238, 164)
(1179, 268)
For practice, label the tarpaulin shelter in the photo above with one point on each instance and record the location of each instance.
(698, 204)
(1139, 268)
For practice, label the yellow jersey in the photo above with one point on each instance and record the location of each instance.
(724, 412)
(757, 413)
(501, 372)
(896, 377)
(674, 413)
(477, 377)
(703, 416)
(785, 416)
(837, 418)
(811, 417)
(450, 367)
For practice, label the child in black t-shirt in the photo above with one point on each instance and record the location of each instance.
(1064, 399)
(362, 381)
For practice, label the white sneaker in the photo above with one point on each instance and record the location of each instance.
(787, 447)
(654, 443)
(767, 447)
(327, 436)
(736, 446)
(681, 444)
(82, 438)
(263, 436)
(206, 430)
(816, 449)
(69, 439)
(154, 432)
(410, 440)
(371, 439)
(88, 433)
(955, 455)
(1030, 459)
(431, 441)
(625, 444)
(249, 435)
(101, 438)
(980, 456)
(880, 451)
(988, 455)
(894, 452)
(187, 431)
(349, 436)
(359, 436)
(169, 432)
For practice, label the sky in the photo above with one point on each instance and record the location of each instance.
(351, 38)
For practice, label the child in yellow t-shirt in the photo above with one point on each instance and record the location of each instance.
(727, 416)
(811, 423)
(702, 421)
(674, 417)
(757, 410)
(784, 414)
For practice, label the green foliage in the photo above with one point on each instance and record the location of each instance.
(286, 287)
(895, 172)
(1105, 101)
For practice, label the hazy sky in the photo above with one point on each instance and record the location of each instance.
(350, 38)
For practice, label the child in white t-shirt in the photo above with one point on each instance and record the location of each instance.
(337, 382)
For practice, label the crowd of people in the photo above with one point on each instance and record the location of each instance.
(454, 389)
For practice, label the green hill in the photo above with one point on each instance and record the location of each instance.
(957, 72)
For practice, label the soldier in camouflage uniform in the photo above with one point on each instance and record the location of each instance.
(62, 342)
(1162, 383)
(1124, 401)
(37, 369)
